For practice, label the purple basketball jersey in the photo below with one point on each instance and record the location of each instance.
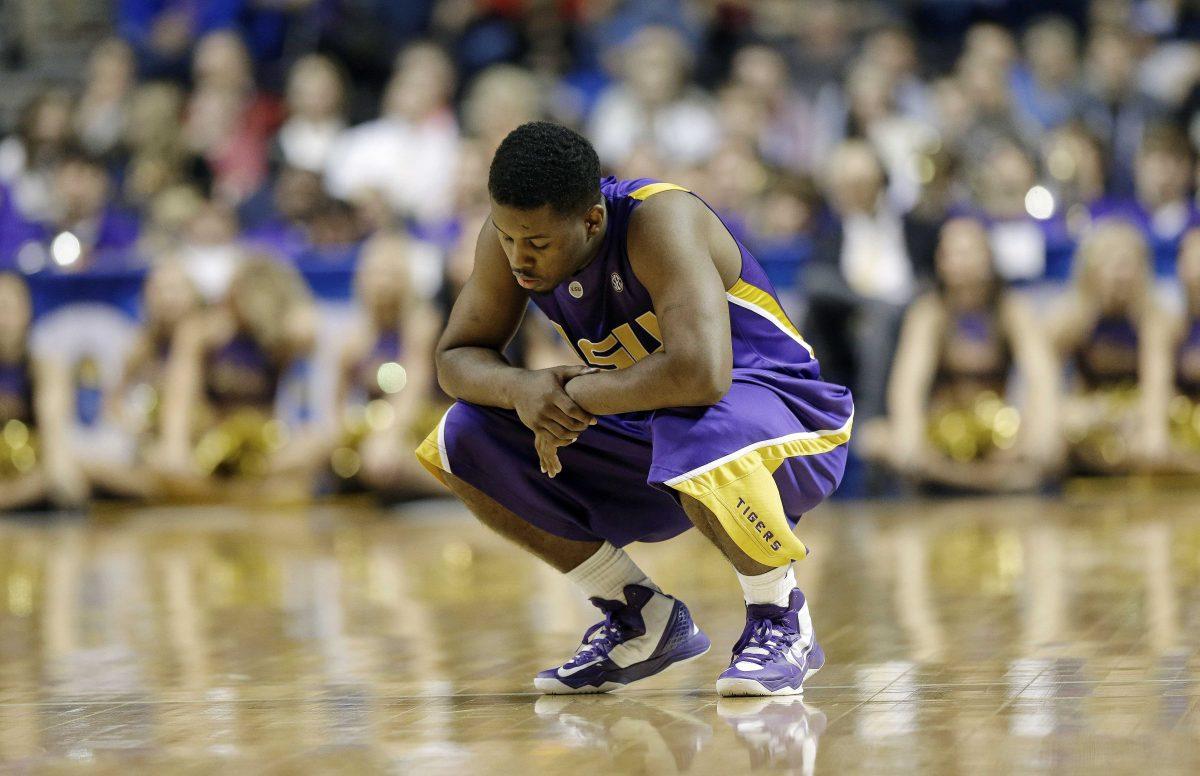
(607, 317)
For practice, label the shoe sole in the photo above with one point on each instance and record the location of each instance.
(744, 688)
(552, 686)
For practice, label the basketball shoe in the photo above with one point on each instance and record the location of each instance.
(776, 652)
(638, 637)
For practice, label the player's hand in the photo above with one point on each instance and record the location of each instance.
(547, 450)
(544, 406)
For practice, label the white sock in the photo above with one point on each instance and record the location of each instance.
(774, 587)
(605, 574)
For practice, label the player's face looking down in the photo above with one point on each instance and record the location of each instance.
(545, 247)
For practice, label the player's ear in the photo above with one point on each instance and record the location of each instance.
(593, 219)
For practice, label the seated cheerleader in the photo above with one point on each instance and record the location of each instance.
(36, 465)
(1175, 396)
(1105, 334)
(385, 376)
(220, 433)
(953, 422)
(169, 298)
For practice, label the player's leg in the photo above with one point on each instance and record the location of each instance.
(576, 522)
(563, 554)
(745, 470)
(777, 650)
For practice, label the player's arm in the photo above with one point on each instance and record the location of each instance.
(670, 253)
(470, 364)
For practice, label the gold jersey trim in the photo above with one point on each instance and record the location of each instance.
(758, 301)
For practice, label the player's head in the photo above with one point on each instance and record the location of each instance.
(544, 185)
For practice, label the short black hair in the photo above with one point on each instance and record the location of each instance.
(540, 163)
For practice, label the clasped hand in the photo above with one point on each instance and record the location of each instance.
(553, 416)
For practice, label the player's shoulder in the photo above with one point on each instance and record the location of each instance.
(663, 209)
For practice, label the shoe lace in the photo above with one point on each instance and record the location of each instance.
(766, 642)
(600, 639)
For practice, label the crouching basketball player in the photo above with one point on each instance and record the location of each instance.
(701, 405)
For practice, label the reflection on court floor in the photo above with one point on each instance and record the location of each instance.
(994, 636)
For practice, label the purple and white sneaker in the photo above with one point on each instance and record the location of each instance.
(776, 652)
(637, 638)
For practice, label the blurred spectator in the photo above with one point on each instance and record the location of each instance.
(894, 50)
(760, 105)
(36, 465)
(1045, 88)
(1115, 109)
(866, 265)
(162, 32)
(229, 123)
(499, 100)
(1160, 206)
(1101, 332)
(28, 156)
(134, 404)
(154, 143)
(653, 103)
(219, 425)
(210, 249)
(315, 101)
(781, 232)
(385, 375)
(1028, 232)
(1175, 405)
(983, 74)
(408, 153)
(952, 420)
(100, 118)
(84, 231)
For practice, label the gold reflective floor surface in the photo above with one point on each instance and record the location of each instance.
(991, 636)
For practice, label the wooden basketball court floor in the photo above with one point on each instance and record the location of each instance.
(974, 637)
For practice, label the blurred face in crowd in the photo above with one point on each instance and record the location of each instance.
(545, 247)
(855, 179)
(315, 90)
(894, 50)
(655, 65)
(222, 62)
(422, 83)
(870, 93)
(502, 98)
(1116, 263)
(384, 278)
(154, 114)
(1051, 50)
(1161, 176)
(991, 45)
(1004, 178)
(15, 314)
(110, 70)
(1073, 158)
(986, 88)
(964, 261)
(760, 71)
(48, 122)
(215, 223)
(81, 188)
(735, 176)
(170, 296)
(1188, 269)
(298, 193)
(1111, 63)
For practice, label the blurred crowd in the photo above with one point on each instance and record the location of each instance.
(227, 250)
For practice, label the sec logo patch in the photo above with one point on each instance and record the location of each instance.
(617, 283)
